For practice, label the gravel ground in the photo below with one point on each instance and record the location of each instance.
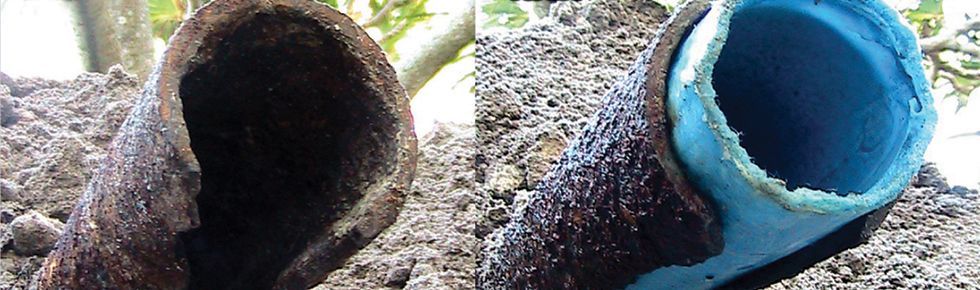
(536, 88)
(930, 240)
(432, 244)
(52, 137)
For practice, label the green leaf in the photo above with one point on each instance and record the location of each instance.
(972, 64)
(504, 13)
(930, 6)
(331, 3)
(962, 97)
(665, 4)
(463, 56)
(165, 16)
(402, 19)
(464, 77)
(928, 17)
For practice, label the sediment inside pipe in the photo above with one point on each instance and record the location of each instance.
(815, 102)
(287, 135)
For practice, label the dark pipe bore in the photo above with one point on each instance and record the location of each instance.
(274, 120)
(813, 107)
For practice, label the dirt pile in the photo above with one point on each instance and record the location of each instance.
(536, 88)
(930, 239)
(432, 245)
(52, 137)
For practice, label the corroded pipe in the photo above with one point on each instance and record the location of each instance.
(833, 114)
(270, 143)
(616, 205)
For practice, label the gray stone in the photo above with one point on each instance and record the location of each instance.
(34, 234)
(398, 277)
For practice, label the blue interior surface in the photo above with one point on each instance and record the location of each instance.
(814, 103)
(793, 117)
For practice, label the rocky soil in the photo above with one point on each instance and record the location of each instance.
(930, 240)
(52, 137)
(537, 86)
(432, 245)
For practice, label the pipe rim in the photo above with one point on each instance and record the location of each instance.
(802, 198)
(182, 55)
(378, 206)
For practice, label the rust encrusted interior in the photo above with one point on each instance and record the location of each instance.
(288, 136)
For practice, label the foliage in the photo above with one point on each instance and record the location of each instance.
(392, 18)
(667, 4)
(165, 16)
(949, 63)
(331, 3)
(928, 17)
(504, 13)
(394, 23)
(470, 75)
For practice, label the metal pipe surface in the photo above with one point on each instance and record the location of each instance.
(271, 142)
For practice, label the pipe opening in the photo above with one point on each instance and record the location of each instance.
(818, 100)
(288, 137)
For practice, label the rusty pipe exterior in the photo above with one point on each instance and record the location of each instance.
(271, 142)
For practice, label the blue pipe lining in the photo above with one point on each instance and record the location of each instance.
(818, 105)
(830, 101)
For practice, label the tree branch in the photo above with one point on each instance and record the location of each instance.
(384, 12)
(946, 39)
(944, 70)
(192, 6)
(394, 31)
(114, 32)
(349, 6)
(952, 45)
(959, 70)
(96, 34)
(952, 70)
(417, 69)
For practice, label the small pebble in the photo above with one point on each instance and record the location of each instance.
(398, 277)
(34, 234)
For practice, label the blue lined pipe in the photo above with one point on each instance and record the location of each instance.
(793, 117)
